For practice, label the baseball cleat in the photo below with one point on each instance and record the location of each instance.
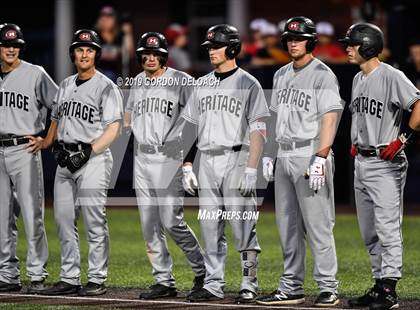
(9, 287)
(61, 288)
(159, 291)
(198, 284)
(245, 297)
(35, 287)
(92, 289)
(386, 300)
(365, 300)
(202, 295)
(280, 298)
(327, 299)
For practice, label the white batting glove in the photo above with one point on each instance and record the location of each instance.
(268, 168)
(316, 173)
(189, 181)
(248, 183)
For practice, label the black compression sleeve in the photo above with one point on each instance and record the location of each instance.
(271, 146)
(189, 137)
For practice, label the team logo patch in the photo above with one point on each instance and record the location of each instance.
(11, 34)
(210, 35)
(152, 41)
(85, 36)
(294, 26)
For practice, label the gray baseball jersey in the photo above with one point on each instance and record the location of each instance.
(377, 105)
(300, 97)
(223, 113)
(155, 110)
(83, 112)
(25, 94)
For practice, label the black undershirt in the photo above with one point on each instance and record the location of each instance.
(3, 74)
(224, 75)
(80, 82)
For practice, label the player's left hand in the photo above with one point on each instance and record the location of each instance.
(392, 150)
(248, 183)
(316, 173)
(35, 144)
(79, 159)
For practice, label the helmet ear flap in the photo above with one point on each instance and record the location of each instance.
(310, 45)
(233, 50)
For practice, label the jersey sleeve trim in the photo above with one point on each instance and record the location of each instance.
(411, 102)
(255, 118)
(332, 108)
(189, 119)
(113, 120)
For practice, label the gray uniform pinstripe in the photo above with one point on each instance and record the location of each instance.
(25, 94)
(300, 98)
(83, 113)
(158, 178)
(378, 101)
(223, 114)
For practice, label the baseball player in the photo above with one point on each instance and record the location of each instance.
(85, 120)
(229, 116)
(153, 112)
(306, 107)
(380, 93)
(26, 92)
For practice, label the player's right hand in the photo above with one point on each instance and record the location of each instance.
(268, 168)
(35, 144)
(189, 181)
(316, 172)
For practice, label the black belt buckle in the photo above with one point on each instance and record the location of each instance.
(367, 153)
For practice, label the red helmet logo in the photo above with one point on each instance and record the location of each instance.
(152, 41)
(294, 26)
(85, 36)
(210, 35)
(11, 34)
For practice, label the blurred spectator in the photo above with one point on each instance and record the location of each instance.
(327, 50)
(178, 58)
(412, 69)
(281, 25)
(256, 43)
(117, 44)
(271, 53)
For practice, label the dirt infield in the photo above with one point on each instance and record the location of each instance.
(127, 298)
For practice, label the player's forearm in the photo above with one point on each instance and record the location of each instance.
(105, 140)
(414, 122)
(51, 135)
(255, 149)
(127, 119)
(327, 133)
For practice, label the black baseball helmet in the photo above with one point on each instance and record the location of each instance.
(223, 35)
(302, 27)
(86, 37)
(368, 36)
(153, 42)
(10, 34)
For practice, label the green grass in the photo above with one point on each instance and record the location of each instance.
(129, 265)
